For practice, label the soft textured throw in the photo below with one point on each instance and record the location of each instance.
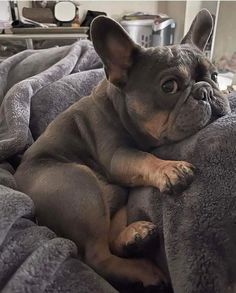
(35, 87)
(199, 226)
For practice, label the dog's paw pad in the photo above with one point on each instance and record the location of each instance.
(176, 177)
(138, 236)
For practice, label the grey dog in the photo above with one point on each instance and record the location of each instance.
(78, 169)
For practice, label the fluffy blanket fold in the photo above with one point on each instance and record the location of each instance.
(198, 226)
(24, 75)
(35, 87)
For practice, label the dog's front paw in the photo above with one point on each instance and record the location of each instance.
(175, 176)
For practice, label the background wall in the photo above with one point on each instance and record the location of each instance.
(182, 12)
(22, 4)
(225, 41)
(116, 9)
(113, 8)
(5, 14)
(176, 10)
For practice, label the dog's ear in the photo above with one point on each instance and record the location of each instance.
(200, 30)
(115, 48)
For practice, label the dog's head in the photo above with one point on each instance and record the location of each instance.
(168, 93)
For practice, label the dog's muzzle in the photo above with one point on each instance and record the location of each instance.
(202, 91)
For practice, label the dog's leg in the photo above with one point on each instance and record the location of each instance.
(69, 199)
(118, 224)
(132, 239)
(136, 168)
(121, 270)
(115, 269)
(135, 238)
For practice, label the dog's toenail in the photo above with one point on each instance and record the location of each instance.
(137, 237)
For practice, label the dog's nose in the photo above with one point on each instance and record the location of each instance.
(202, 94)
(202, 91)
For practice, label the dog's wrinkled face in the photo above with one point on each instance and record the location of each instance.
(173, 92)
(167, 92)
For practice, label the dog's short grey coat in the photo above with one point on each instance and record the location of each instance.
(183, 284)
(104, 141)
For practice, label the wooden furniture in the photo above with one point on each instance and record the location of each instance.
(29, 38)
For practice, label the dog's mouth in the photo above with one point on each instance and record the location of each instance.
(211, 97)
(195, 113)
(209, 92)
(219, 104)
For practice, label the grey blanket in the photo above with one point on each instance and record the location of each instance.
(198, 227)
(29, 76)
(35, 87)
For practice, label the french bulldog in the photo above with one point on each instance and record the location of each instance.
(78, 169)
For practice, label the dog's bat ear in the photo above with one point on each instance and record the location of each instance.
(115, 48)
(200, 30)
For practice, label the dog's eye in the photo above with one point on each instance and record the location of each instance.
(170, 86)
(214, 76)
